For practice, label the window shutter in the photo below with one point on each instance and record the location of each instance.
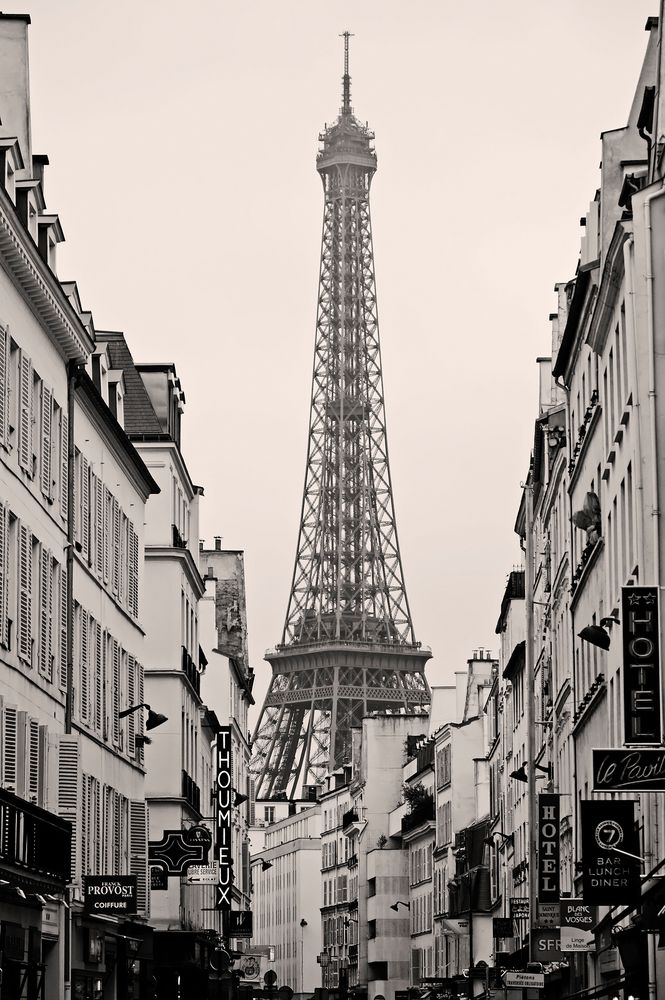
(131, 719)
(133, 572)
(4, 574)
(140, 721)
(85, 506)
(138, 850)
(33, 760)
(25, 593)
(64, 465)
(50, 562)
(117, 834)
(69, 781)
(99, 527)
(44, 610)
(85, 831)
(62, 667)
(98, 677)
(107, 533)
(84, 649)
(43, 766)
(4, 384)
(115, 583)
(122, 559)
(9, 749)
(115, 694)
(25, 380)
(45, 435)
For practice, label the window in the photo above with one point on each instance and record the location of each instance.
(269, 814)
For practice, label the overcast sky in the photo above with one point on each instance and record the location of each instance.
(182, 142)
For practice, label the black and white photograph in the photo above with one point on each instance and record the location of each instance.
(332, 500)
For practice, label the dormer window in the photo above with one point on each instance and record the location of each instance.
(100, 370)
(50, 234)
(10, 179)
(32, 218)
(116, 394)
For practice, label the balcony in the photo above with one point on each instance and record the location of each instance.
(190, 671)
(349, 818)
(191, 792)
(177, 541)
(421, 813)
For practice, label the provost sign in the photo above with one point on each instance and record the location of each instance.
(548, 849)
(111, 894)
(224, 817)
(641, 665)
(610, 853)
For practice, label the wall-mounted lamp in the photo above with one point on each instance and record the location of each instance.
(394, 906)
(498, 833)
(154, 718)
(597, 635)
(520, 773)
(265, 865)
(238, 800)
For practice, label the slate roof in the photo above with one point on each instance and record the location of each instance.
(139, 414)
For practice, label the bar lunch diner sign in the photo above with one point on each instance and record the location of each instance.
(621, 770)
(224, 817)
(610, 853)
(641, 665)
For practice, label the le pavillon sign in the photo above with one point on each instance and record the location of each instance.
(641, 665)
(610, 853)
(638, 770)
(548, 849)
(224, 817)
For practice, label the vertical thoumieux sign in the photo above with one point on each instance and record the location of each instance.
(641, 665)
(548, 849)
(223, 824)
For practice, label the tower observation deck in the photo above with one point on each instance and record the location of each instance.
(348, 647)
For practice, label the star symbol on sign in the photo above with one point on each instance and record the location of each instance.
(634, 599)
(649, 598)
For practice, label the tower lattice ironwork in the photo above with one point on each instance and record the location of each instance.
(348, 647)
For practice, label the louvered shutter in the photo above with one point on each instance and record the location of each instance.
(115, 582)
(64, 465)
(33, 760)
(131, 719)
(25, 593)
(133, 572)
(99, 527)
(105, 685)
(69, 782)
(25, 380)
(85, 825)
(107, 851)
(138, 851)
(4, 574)
(4, 384)
(45, 442)
(43, 610)
(115, 693)
(117, 833)
(107, 534)
(84, 651)
(50, 562)
(62, 645)
(9, 748)
(140, 720)
(85, 506)
(98, 676)
(122, 559)
(42, 782)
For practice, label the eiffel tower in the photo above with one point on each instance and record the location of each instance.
(348, 648)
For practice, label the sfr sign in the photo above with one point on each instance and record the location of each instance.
(641, 665)
(548, 849)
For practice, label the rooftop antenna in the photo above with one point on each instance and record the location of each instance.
(346, 79)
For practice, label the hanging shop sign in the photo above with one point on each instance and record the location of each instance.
(639, 770)
(641, 665)
(240, 923)
(519, 907)
(178, 849)
(548, 849)
(578, 919)
(502, 927)
(546, 945)
(610, 853)
(547, 915)
(109, 893)
(224, 817)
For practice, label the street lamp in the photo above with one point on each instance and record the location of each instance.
(154, 718)
(597, 634)
(394, 906)
(520, 773)
(499, 833)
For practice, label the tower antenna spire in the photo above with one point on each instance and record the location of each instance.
(346, 79)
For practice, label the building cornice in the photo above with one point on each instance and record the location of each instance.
(185, 557)
(150, 444)
(39, 286)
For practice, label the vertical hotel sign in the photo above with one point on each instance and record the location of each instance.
(548, 849)
(223, 854)
(641, 665)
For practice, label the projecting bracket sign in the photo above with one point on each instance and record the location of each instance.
(524, 980)
(178, 849)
